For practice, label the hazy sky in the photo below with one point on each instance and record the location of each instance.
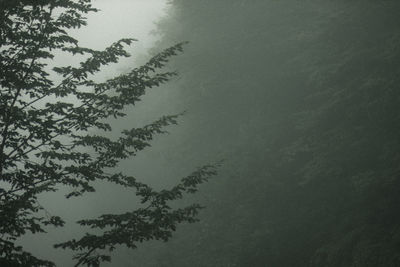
(120, 19)
(116, 19)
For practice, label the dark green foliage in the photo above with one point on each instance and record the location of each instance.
(301, 98)
(51, 134)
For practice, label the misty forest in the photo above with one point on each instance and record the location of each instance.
(204, 133)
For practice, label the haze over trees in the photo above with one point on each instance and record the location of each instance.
(56, 135)
(301, 98)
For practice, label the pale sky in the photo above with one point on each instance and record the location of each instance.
(117, 19)
(120, 19)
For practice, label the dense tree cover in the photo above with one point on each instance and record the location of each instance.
(301, 98)
(54, 134)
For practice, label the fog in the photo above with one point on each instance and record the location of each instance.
(299, 98)
(115, 20)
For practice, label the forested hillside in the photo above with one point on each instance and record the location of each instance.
(301, 99)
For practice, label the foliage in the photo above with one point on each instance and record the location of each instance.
(309, 125)
(51, 134)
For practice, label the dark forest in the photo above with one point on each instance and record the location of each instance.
(289, 112)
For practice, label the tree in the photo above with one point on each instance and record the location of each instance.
(51, 134)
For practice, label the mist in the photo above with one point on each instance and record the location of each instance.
(114, 20)
(298, 98)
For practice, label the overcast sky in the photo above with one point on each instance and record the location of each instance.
(120, 19)
(116, 19)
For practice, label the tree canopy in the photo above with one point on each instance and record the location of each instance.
(308, 125)
(51, 134)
